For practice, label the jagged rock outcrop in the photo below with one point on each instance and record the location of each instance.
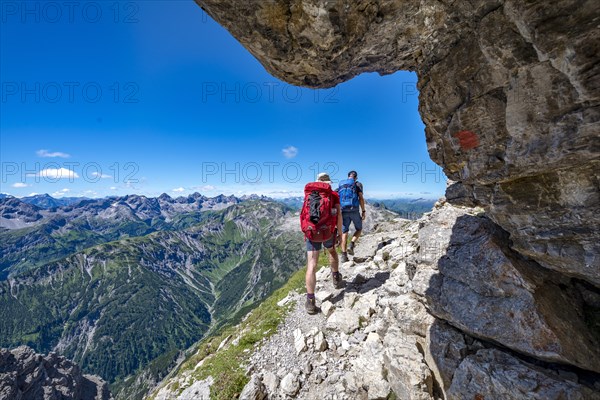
(394, 328)
(509, 94)
(25, 375)
(472, 279)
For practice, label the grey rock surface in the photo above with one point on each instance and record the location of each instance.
(485, 289)
(199, 390)
(490, 373)
(26, 375)
(254, 390)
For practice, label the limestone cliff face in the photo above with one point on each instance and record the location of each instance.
(25, 375)
(509, 93)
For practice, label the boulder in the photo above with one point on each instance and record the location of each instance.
(290, 384)
(254, 390)
(343, 320)
(27, 375)
(370, 365)
(487, 290)
(407, 372)
(491, 374)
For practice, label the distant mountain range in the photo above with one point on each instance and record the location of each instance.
(121, 285)
(408, 208)
(22, 212)
(47, 201)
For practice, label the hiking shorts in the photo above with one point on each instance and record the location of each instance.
(317, 246)
(351, 216)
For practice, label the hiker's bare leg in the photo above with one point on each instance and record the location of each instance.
(356, 236)
(311, 270)
(333, 259)
(344, 242)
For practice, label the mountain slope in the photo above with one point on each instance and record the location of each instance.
(32, 236)
(117, 307)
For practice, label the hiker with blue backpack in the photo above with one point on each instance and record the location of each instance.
(351, 199)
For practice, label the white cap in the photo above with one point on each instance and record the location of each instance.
(324, 177)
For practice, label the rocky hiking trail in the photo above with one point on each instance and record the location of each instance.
(339, 353)
(377, 338)
(334, 354)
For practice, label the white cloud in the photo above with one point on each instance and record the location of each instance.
(100, 175)
(46, 153)
(33, 194)
(61, 192)
(179, 190)
(204, 188)
(20, 185)
(270, 191)
(58, 173)
(284, 193)
(290, 152)
(135, 183)
(113, 188)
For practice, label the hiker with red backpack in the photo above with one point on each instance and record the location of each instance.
(321, 222)
(351, 197)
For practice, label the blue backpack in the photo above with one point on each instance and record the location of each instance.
(348, 194)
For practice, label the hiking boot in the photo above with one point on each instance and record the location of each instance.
(344, 257)
(351, 249)
(311, 306)
(337, 280)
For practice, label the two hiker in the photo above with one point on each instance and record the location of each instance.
(325, 220)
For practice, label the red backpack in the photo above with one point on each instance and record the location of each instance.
(316, 220)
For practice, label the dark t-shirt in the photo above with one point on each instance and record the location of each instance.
(359, 187)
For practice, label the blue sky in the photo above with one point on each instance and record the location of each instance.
(106, 98)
